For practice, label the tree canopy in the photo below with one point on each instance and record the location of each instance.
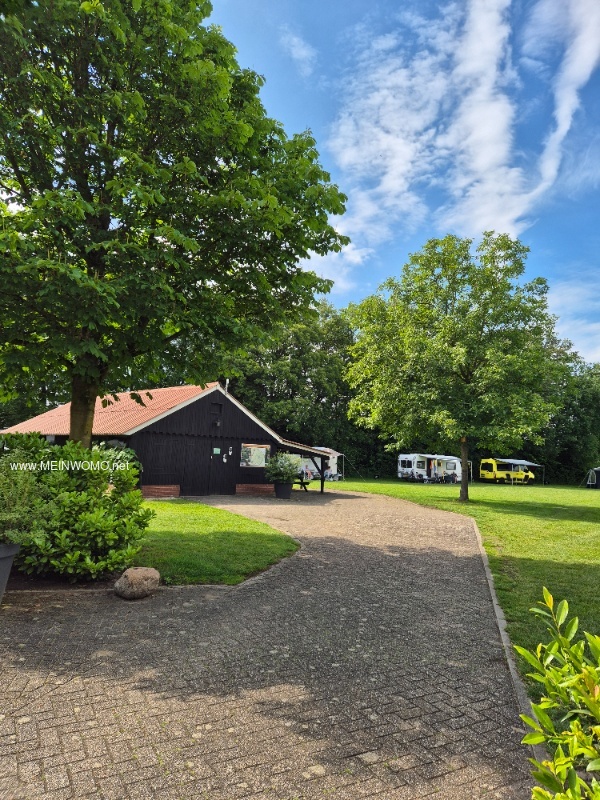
(150, 206)
(459, 352)
(296, 383)
(572, 437)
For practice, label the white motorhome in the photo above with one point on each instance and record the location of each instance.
(334, 465)
(429, 467)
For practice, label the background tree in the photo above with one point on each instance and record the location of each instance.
(151, 207)
(296, 384)
(572, 437)
(457, 352)
(30, 401)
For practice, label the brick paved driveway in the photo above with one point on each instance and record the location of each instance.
(368, 665)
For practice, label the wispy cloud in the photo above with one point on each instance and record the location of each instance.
(302, 53)
(481, 182)
(576, 25)
(430, 114)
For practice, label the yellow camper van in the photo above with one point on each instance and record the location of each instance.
(506, 470)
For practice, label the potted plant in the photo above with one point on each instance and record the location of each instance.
(282, 470)
(8, 550)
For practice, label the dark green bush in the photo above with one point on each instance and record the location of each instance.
(81, 507)
(22, 507)
(568, 715)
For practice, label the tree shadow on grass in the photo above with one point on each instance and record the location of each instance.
(519, 583)
(544, 511)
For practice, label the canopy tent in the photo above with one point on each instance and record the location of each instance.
(520, 462)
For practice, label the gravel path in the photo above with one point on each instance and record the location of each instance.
(368, 665)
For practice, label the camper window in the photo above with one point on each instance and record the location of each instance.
(420, 465)
(405, 463)
(451, 466)
(486, 467)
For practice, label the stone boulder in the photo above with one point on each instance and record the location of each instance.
(137, 582)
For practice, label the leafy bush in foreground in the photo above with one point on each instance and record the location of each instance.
(569, 671)
(21, 505)
(83, 518)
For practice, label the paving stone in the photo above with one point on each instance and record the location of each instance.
(320, 677)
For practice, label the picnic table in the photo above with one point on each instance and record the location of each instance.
(303, 482)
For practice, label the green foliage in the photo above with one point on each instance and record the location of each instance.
(31, 400)
(21, 504)
(150, 209)
(295, 382)
(82, 518)
(569, 671)
(457, 352)
(282, 468)
(572, 438)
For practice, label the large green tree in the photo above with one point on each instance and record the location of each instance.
(151, 208)
(459, 352)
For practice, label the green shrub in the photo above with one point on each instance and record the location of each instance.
(282, 468)
(84, 517)
(21, 505)
(568, 715)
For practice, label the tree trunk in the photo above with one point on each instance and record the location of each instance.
(464, 465)
(83, 404)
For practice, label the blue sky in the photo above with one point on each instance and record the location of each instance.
(444, 117)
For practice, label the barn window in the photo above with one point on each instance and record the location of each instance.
(255, 455)
(216, 408)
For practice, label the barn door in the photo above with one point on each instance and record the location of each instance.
(196, 467)
(224, 466)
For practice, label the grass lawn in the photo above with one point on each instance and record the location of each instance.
(191, 543)
(534, 535)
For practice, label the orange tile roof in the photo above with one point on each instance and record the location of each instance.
(119, 417)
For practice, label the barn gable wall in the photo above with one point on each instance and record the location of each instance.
(201, 417)
(199, 447)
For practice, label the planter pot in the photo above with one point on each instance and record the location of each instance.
(7, 553)
(283, 490)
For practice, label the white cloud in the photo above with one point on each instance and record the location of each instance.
(339, 267)
(482, 185)
(384, 140)
(302, 53)
(576, 24)
(430, 109)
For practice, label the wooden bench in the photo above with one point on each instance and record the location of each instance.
(302, 482)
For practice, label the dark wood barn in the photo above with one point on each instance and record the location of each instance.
(190, 440)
